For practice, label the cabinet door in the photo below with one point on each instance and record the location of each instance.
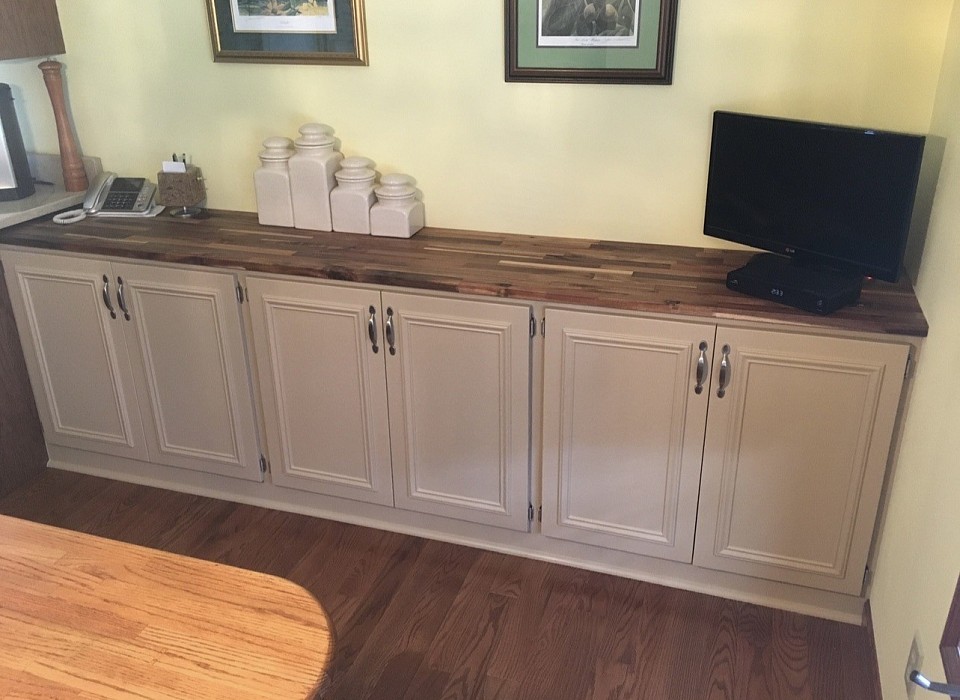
(324, 390)
(459, 374)
(186, 345)
(795, 454)
(75, 352)
(623, 425)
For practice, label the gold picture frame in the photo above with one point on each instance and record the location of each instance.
(328, 32)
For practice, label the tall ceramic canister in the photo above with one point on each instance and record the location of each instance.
(398, 212)
(312, 177)
(272, 183)
(353, 196)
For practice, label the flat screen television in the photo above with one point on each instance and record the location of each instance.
(831, 196)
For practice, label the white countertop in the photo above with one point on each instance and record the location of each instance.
(48, 198)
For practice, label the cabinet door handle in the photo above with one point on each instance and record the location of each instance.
(703, 368)
(372, 329)
(121, 300)
(390, 332)
(726, 370)
(106, 297)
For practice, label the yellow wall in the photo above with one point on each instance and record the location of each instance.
(619, 162)
(920, 546)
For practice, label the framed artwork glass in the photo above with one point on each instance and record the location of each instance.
(288, 31)
(590, 41)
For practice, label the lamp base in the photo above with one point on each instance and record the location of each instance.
(74, 176)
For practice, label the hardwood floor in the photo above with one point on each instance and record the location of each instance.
(415, 619)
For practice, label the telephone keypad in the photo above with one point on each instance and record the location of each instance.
(120, 200)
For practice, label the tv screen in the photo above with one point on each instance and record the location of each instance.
(828, 195)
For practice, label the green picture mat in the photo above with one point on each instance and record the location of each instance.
(529, 55)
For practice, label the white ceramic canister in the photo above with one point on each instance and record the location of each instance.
(398, 212)
(312, 176)
(351, 199)
(272, 183)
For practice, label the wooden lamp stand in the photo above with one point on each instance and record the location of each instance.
(74, 175)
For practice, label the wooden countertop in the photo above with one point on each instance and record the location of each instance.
(669, 280)
(83, 616)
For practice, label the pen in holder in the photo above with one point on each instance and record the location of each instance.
(184, 192)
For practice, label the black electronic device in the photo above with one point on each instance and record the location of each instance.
(783, 280)
(16, 182)
(837, 200)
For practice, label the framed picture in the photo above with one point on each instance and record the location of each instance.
(590, 41)
(288, 31)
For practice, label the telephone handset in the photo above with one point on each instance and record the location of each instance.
(111, 195)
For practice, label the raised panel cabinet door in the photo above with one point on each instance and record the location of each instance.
(625, 404)
(75, 352)
(186, 345)
(319, 351)
(795, 455)
(459, 378)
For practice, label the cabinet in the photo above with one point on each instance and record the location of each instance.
(459, 385)
(22, 451)
(623, 427)
(795, 454)
(137, 361)
(788, 441)
(324, 387)
(398, 399)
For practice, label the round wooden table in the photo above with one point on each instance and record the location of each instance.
(82, 616)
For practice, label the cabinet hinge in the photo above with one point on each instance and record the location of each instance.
(543, 326)
(539, 514)
(867, 578)
(533, 326)
(908, 369)
(530, 512)
(264, 465)
(240, 293)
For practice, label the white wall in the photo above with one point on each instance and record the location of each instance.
(619, 162)
(920, 547)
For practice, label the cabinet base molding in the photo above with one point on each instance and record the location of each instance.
(533, 545)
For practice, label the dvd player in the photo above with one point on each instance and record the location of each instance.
(806, 287)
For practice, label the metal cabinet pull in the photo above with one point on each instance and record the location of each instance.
(703, 369)
(106, 297)
(390, 332)
(945, 688)
(121, 300)
(726, 370)
(372, 329)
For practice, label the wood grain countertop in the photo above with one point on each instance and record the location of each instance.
(86, 617)
(672, 280)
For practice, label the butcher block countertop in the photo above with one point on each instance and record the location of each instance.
(671, 280)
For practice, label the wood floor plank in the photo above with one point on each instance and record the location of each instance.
(394, 651)
(413, 618)
(464, 643)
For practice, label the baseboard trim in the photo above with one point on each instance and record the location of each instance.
(532, 545)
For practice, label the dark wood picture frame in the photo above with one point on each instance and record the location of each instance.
(660, 72)
(346, 47)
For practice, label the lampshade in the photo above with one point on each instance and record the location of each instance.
(29, 28)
